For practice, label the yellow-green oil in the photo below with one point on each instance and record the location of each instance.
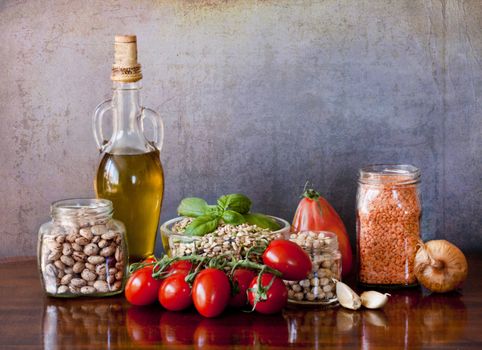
(135, 185)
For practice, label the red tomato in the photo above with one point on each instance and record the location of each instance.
(175, 293)
(314, 213)
(275, 298)
(141, 288)
(211, 292)
(149, 260)
(288, 258)
(180, 266)
(241, 280)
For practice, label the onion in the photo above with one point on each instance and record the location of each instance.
(440, 266)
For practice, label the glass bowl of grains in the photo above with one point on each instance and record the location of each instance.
(226, 239)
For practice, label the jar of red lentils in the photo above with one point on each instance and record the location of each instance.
(388, 224)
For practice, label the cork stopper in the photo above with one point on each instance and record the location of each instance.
(125, 68)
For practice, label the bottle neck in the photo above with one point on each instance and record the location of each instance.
(127, 107)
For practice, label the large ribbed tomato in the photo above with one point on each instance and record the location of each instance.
(314, 213)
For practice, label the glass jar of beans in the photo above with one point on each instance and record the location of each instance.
(319, 287)
(388, 224)
(82, 251)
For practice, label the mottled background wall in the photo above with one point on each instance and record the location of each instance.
(257, 97)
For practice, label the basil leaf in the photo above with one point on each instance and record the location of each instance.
(192, 207)
(262, 221)
(202, 225)
(236, 201)
(213, 209)
(233, 218)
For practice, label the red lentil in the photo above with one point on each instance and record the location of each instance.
(388, 224)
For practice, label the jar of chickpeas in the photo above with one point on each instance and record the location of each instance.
(388, 225)
(319, 287)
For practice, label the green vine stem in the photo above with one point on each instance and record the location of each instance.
(217, 262)
(221, 262)
(159, 269)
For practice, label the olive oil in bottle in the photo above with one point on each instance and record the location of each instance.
(130, 171)
(135, 184)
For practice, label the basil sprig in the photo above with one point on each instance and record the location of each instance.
(236, 202)
(231, 209)
(262, 220)
(192, 207)
(202, 224)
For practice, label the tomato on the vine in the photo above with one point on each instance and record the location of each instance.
(175, 293)
(149, 260)
(211, 292)
(241, 279)
(141, 288)
(288, 258)
(270, 301)
(180, 266)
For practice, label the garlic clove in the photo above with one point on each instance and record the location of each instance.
(374, 300)
(347, 297)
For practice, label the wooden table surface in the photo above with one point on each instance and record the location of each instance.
(411, 320)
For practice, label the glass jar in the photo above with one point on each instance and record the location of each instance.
(388, 224)
(319, 287)
(82, 251)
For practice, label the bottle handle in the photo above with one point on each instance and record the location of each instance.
(97, 119)
(158, 125)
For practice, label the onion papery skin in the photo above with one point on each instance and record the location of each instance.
(440, 266)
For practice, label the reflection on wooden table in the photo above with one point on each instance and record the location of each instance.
(410, 320)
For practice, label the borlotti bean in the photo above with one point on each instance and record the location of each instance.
(86, 266)
(71, 259)
(319, 287)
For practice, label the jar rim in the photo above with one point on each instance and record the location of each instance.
(389, 174)
(330, 239)
(81, 207)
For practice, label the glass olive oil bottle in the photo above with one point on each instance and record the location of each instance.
(130, 172)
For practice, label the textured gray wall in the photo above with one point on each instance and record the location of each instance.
(257, 97)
